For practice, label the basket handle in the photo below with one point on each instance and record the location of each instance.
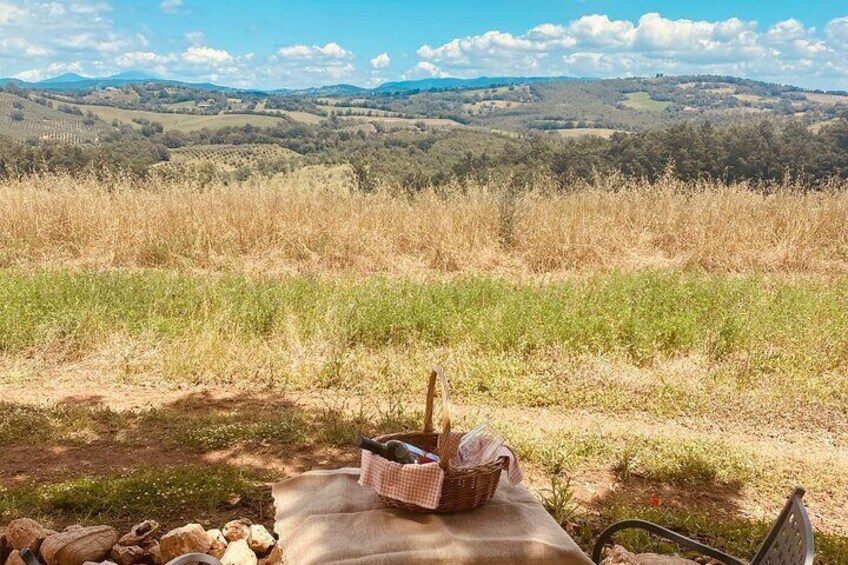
(445, 447)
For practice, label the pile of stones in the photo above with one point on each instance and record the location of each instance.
(239, 542)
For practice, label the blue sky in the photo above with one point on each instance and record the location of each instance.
(297, 43)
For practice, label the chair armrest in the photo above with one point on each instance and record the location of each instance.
(657, 530)
(187, 558)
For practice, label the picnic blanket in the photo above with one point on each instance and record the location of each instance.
(326, 517)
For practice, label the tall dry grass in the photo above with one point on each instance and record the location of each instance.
(314, 221)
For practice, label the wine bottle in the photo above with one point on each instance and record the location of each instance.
(397, 451)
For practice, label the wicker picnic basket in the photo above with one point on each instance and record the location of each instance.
(463, 489)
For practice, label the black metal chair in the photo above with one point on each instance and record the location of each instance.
(790, 541)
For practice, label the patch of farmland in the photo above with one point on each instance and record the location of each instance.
(22, 119)
(302, 117)
(721, 90)
(340, 110)
(230, 157)
(753, 98)
(179, 122)
(643, 101)
(487, 106)
(582, 132)
(408, 121)
(826, 98)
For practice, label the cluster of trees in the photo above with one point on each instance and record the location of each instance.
(761, 151)
(415, 158)
(125, 152)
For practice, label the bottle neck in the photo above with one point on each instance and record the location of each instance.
(373, 446)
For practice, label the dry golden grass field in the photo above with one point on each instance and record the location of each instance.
(676, 351)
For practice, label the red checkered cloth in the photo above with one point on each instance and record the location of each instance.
(417, 484)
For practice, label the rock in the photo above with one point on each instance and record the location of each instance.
(15, 558)
(25, 532)
(219, 543)
(141, 534)
(5, 548)
(237, 529)
(78, 545)
(260, 541)
(273, 558)
(72, 528)
(128, 554)
(155, 553)
(239, 553)
(188, 539)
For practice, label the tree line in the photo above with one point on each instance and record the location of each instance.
(415, 158)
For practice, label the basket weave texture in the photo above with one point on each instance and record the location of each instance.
(463, 489)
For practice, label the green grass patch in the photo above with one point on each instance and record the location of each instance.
(680, 462)
(503, 341)
(643, 101)
(66, 423)
(643, 315)
(159, 493)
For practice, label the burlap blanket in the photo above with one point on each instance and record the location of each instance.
(326, 517)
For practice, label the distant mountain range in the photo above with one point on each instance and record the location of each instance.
(73, 81)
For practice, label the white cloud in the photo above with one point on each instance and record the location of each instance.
(9, 12)
(788, 30)
(381, 61)
(53, 69)
(143, 59)
(195, 37)
(492, 45)
(425, 69)
(30, 75)
(599, 30)
(595, 45)
(38, 38)
(171, 6)
(837, 32)
(331, 50)
(206, 56)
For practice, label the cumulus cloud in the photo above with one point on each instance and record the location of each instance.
(837, 32)
(51, 70)
(425, 69)
(143, 59)
(39, 38)
(8, 13)
(329, 51)
(788, 30)
(196, 55)
(195, 37)
(171, 6)
(381, 61)
(598, 46)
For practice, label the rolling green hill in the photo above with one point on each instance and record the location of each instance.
(179, 122)
(23, 119)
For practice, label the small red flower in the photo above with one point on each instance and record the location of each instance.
(655, 501)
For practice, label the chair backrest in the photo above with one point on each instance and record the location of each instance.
(790, 541)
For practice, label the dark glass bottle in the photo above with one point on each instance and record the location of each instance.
(397, 451)
(392, 450)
